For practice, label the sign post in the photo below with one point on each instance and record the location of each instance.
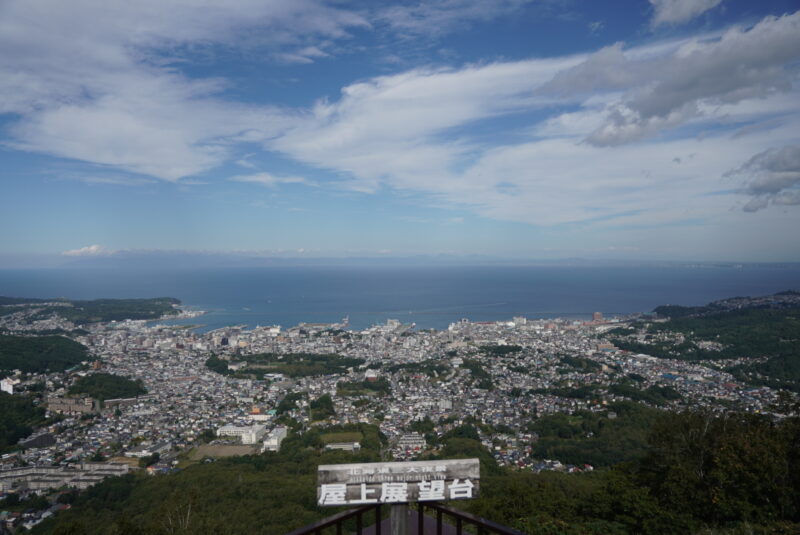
(397, 484)
(398, 519)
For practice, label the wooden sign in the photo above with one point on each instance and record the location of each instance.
(414, 481)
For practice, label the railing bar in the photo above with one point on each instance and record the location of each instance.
(330, 521)
(483, 526)
(421, 519)
(475, 520)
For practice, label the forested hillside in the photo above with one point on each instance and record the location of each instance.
(694, 471)
(18, 416)
(39, 354)
(94, 310)
(105, 386)
(771, 335)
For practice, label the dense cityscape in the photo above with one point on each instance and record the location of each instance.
(414, 384)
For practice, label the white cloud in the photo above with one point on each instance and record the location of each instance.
(436, 17)
(89, 250)
(111, 180)
(684, 81)
(385, 129)
(771, 176)
(92, 80)
(85, 89)
(596, 26)
(269, 180)
(413, 132)
(679, 11)
(304, 55)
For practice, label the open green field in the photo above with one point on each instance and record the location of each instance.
(345, 436)
(220, 450)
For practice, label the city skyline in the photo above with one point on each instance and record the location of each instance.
(661, 130)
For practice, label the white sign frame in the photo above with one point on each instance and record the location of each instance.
(397, 482)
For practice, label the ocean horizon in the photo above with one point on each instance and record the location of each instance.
(428, 296)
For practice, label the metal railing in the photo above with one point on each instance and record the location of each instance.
(460, 518)
(339, 519)
(448, 521)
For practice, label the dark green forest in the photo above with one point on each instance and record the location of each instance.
(682, 473)
(752, 332)
(298, 364)
(595, 438)
(322, 407)
(118, 309)
(105, 386)
(499, 350)
(39, 354)
(627, 387)
(216, 364)
(82, 312)
(381, 387)
(431, 368)
(18, 416)
(6, 301)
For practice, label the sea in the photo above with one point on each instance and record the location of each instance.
(427, 296)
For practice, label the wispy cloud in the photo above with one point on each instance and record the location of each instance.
(111, 180)
(771, 177)
(269, 180)
(588, 139)
(667, 90)
(598, 157)
(95, 80)
(679, 11)
(89, 250)
(441, 16)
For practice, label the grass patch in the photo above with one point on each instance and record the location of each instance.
(345, 436)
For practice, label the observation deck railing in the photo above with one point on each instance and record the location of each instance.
(457, 522)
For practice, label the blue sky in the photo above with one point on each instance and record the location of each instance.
(541, 129)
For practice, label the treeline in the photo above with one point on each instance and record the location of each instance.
(82, 312)
(18, 416)
(379, 386)
(499, 350)
(39, 354)
(735, 473)
(322, 408)
(752, 332)
(7, 301)
(105, 386)
(90, 311)
(583, 364)
(587, 391)
(666, 350)
(430, 367)
(781, 372)
(216, 364)
(483, 378)
(599, 439)
(654, 394)
(299, 364)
